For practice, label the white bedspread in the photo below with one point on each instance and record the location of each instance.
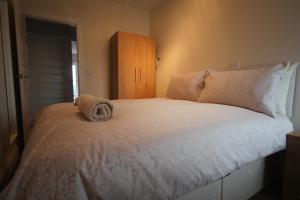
(151, 149)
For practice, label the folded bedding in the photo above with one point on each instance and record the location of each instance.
(151, 149)
(94, 109)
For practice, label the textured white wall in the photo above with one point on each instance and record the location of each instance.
(98, 20)
(196, 34)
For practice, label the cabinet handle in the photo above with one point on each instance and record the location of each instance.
(140, 75)
(134, 74)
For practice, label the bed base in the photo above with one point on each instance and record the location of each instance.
(243, 183)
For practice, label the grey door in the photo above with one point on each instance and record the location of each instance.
(50, 70)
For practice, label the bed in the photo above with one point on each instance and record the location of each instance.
(151, 149)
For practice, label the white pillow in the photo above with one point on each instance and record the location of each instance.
(285, 99)
(283, 92)
(255, 89)
(292, 70)
(186, 86)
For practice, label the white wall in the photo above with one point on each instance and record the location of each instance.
(98, 20)
(196, 34)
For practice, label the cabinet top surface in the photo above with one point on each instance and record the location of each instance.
(121, 33)
(295, 135)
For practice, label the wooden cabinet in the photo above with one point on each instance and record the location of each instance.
(9, 145)
(291, 180)
(133, 66)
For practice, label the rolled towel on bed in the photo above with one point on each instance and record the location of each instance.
(95, 109)
(76, 101)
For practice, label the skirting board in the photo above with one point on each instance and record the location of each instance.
(243, 183)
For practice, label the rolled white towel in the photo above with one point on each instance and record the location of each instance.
(76, 101)
(95, 109)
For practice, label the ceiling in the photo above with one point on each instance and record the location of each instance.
(147, 5)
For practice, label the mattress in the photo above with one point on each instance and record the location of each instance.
(151, 149)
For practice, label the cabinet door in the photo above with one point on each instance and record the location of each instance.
(147, 60)
(8, 117)
(141, 63)
(23, 67)
(127, 65)
(9, 148)
(4, 116)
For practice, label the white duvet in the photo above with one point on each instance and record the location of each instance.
(151, 149)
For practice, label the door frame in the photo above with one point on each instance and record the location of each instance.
(69, 22)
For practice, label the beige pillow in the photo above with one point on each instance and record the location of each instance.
(186, 86)
(255, 89)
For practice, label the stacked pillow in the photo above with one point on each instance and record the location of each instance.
(268, 90)
(186, 86)
(287, 89)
